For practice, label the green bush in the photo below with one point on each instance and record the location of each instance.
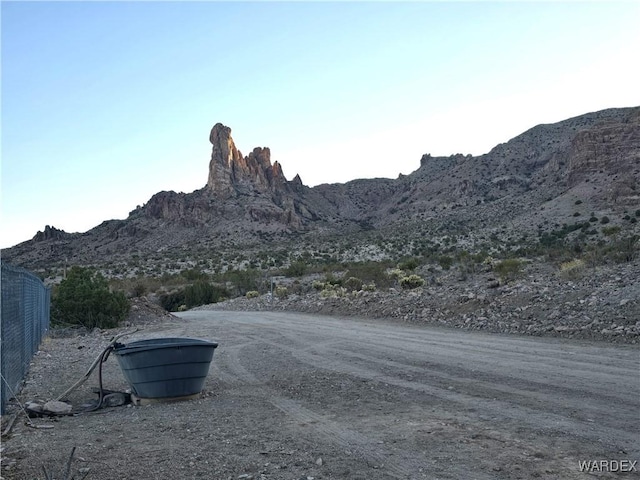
(193, 275)
(352, 284)
(252, 294)
(370, 272)
(624, 250)
(412, 281)
(172, 301)
(296, 269)
(369, 287)
(243, 280)
(332, 291)
(139, 289)
(409, 265)
(200, 293)
(610, 231)
(281, 292)
(445, 262)
(508, 269)
(331, 279)
(395, 274)
(84, 298)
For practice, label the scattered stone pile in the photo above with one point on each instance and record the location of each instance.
(602, 305)
(144, 312)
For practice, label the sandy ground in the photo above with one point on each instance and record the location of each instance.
(299, 396)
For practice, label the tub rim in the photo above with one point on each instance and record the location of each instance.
(161, 343)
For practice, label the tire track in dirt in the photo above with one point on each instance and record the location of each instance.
(526, 353)
(496, 406)
(569, 380)
(396, 465)
(470, 381)
(421, 361)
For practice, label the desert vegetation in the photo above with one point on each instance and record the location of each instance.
(406, 258)
(84, 299)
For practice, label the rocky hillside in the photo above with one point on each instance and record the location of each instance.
(546, 179)
(601, 304)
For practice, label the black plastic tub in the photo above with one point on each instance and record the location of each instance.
(165, 367)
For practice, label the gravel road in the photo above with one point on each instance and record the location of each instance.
(299, 396)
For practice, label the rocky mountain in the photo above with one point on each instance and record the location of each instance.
(546, 177)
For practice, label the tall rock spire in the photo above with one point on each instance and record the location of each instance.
(231, 173)
(224, 157)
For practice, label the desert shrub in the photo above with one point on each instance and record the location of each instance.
(395, 274)
(135, 286)
(508, 269)
(84, 298)
(242, 280)
(281, 292)
(252, 294)
(139, 289)
(624, 250)
(352, 284)
(200, 293)
(317, 285)
(411, 281)
(328, 293)
(369, 287)
(370, 272)
(331, 279)
(610, 231)
(409, 265)
(467, 263)
(296, 269)
(193, 275)
(331, 291)
(572, 269)
(297, 288)
(171, 301)
(445, 262)
(556, 238)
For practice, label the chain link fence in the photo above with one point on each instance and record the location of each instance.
(25, 319)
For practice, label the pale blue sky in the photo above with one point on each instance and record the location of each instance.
(106, 103)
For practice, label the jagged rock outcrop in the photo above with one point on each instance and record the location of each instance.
(225, 159)
(49, 233)
(231, 174)
(238, 188)
(611, 148)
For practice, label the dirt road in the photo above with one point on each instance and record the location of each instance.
(293, 396)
